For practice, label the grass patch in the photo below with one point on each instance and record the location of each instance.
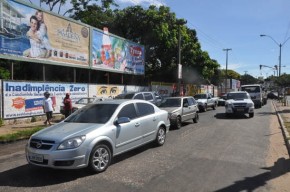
(23, 134)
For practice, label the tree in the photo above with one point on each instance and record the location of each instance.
(248, 79)
(158, 29)
(4, 73)
(283, 80)
(76, 5)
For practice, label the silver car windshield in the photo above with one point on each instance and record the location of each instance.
(176, 102)
(97, 113)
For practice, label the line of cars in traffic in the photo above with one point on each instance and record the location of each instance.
(102, 129)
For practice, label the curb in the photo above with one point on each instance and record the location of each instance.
(284, 131)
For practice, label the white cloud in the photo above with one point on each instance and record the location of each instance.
(233, 66)
(157, 3)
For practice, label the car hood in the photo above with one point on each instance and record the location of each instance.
(201, 100)
(78, 106)
(239, 101)
(66, 130)
(170, 109)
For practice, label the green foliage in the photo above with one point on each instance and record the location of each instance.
(159, 29)
(248, 79)
(231, 74)
(33, 119)
(4, 73)
(283, 80)
(24, 134)
(1, 122)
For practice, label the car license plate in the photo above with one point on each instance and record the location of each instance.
(36, 157)
(240, 109)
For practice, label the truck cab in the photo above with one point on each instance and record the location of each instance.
(256, 93)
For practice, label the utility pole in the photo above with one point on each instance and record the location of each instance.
(180, 23)
(227, 50)
(280, 50)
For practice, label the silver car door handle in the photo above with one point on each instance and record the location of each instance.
(137, 124)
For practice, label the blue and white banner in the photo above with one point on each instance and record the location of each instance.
(24, 99)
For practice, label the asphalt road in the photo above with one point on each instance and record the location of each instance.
(216, 154)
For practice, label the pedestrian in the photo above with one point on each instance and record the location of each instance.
(67, 105)
(47, 107)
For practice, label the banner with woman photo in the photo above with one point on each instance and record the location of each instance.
(37, 35)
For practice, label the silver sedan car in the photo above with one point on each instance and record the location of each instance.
(93, 135)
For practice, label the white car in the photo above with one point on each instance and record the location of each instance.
(239, 102)
(180, 109)
(81, 103)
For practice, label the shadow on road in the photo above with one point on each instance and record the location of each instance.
(30, 176)
(234, 116)
(280, 167)
(33, 176)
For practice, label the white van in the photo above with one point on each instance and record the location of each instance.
(256, 93)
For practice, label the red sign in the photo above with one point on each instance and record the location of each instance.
(18, 102)
(135, 51)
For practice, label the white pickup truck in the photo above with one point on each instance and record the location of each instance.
(206, 100)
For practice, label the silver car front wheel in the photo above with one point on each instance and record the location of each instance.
(161, 136)
(100, 158)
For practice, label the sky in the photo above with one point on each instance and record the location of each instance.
(236, 25)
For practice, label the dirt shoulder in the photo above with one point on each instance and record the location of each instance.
(278, 158)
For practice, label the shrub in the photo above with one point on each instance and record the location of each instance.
(33, 119)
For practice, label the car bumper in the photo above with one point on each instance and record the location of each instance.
(60, 159)
(240, 110)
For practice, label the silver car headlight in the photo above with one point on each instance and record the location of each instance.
(72, 143)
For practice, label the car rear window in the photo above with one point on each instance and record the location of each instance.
(145, 109)
(128, 111)
(148, 96)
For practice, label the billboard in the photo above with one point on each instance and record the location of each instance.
(115, 54)
(25, 99)
(111, 91)
(33, 34)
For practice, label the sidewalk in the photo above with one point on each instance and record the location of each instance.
(283, 114)
(11, 127)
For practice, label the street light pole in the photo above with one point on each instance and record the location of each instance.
(180, 22)
(280, 50)
(227, 50)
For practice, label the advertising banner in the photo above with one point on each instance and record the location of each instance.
(163, 89)
(32, 34)
(111, 91)
(116, 54)
(24, 99)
